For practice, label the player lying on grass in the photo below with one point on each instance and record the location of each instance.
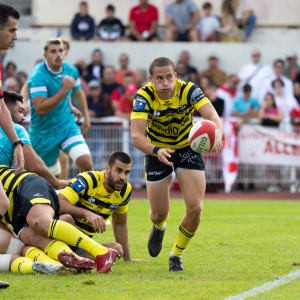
(33, 163)
(53, 127)
(94, 196)
(34, 203)
(15, 256)
(166, 105)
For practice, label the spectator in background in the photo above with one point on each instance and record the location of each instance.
(83, 26)
(120, 91)
(108, 81)
(84, 84)
(98, 105)
(192, 71)
(141, 78)
(123, 110)
(21, 78)
(288, 89)
(80, 62)
(181, 70)
(204, 82)
(248, 22)
(181, 18)
(229, 30)
(110, 28)
(11, 85)
(286, 102)
(292, 68)
(208, 25)
(143, 22)
(297, 91)
(123, 62)
(255, 73)
(95, 69)
(218, 103)
(228, 91)
(245, 107)
(10, 71)
(213, 72)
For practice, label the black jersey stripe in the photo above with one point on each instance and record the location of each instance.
(126, 201)
(182, 140)
(84, 226)
(7, 176)
(15, 179)
(104, 216)
(94, 179)
(149, 92)
(123, 190)
(181, 90)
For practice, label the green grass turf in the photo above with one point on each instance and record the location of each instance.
(239, 245)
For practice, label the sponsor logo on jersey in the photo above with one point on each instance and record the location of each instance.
(167, 103)
(181, 108)
(78, 186)
(167, 130)
(37, 195)
(113, 206)
(197, 95)
(156, 172)
(156, 113)
(91, 199)
(170, 115)
(140, 104)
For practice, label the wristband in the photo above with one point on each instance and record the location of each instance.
(155, 150)
(19, 142)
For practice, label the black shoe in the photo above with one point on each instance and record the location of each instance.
(155, 241)
(4, 285)
(175, 264)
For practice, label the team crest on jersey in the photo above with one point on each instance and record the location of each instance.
(113, 206)
(181, 108)
(170, 115)
(92, 199)
(78, 186)
(156, 113)
(197, 95)
(140, 104)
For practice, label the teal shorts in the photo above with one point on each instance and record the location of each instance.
(48, 147)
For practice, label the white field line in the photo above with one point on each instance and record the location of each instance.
(267, 286)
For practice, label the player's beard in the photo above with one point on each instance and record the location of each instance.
(112, 183)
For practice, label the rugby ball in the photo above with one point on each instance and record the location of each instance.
(204, 136)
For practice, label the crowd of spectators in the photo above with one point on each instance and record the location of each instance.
(184, 22)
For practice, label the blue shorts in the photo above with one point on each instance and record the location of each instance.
(48, 147)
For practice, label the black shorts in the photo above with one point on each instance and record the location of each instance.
(184, 158)
(133, 38)
(32, 190)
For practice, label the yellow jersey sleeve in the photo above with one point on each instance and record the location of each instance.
(141, 105)
(82, 183)
(123, 207)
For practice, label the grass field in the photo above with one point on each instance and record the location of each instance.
(239, 245)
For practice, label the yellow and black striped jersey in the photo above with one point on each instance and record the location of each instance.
(86, 190)
(169, 121)
(11, 183)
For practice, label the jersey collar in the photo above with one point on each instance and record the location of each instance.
(48, 68)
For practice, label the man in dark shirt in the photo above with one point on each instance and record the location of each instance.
(108, 81)
(95, 68)
(83, 26)
(192, 71)
(217, 103)
(110, 28)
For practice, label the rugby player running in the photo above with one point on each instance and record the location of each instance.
(165, 108)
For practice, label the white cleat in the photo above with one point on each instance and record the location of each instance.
(51, 268)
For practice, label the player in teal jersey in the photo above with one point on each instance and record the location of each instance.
(53, 126)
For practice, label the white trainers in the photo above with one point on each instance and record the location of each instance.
(50, 268)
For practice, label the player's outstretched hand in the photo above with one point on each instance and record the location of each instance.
(62, 184)
(163, 154)
(19, 159)
(97, 222)
(68, 83)
(219, 146)
(139, 260)
(76, 112)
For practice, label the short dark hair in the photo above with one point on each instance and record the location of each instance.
(11, 98)
(83, 3)
(247, 88)
(161, 62)
(110, 7)
(121, 156)
(277, 80)
(10, 63)
(278, 61)
(207, 5)
(7, 11)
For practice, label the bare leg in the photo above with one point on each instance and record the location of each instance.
(64, 163)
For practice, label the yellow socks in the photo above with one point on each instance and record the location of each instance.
(22, 265)
(161, 225)
(56, 247)
(182, 240)
(36, 254)
(70, 235)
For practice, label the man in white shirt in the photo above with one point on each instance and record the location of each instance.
(255, 73)
(288, 89)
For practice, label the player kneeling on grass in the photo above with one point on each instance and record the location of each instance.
(166, 105)
(94, 196)
(14, 257)
(34, 204)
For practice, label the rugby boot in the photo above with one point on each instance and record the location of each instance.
(155, 241)
(175, 264)
(105, 261)
(4, 285)
(71, 260)
(50, 268)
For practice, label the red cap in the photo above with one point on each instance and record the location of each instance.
(131, 88)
